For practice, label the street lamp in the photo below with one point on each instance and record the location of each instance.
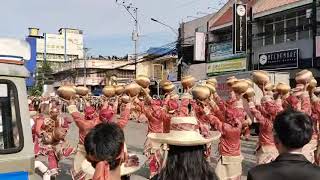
(171, 28)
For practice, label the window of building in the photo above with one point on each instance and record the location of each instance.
(291, 29)
(269, 32)
(303, 25)
(279, 28)
(294, 26)
(11, 137)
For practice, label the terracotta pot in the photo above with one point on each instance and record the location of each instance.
(143, 81)
(109, 91)
(240, 86)
(66, 92)
(282, 88)
(268, 87)
(211, 87)
(303, 76)
(169, 87)
(125, 99)
(260, 77)
(312, 84)
(231, 80)
(82, 91)
(317, 91)
(119, 89)
(188, 82)
(133, 89)
(164, 83)
(201, 92)
(249, 82)
(249, 93)
(212, 81)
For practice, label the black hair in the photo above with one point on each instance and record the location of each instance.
(187, 163)
(105, 142)
(293, 128)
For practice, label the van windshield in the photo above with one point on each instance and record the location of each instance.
(11, 139)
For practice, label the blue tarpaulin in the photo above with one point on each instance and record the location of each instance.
(15, 176)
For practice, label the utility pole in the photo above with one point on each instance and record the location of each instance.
(85, 50)
(135, 35)
(135, 38)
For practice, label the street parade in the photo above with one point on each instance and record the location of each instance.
(160, 90)
(199, 116)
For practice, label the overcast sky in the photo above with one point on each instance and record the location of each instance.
(107, 26)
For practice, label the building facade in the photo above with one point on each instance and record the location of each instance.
(284, 34)
(221, 59)
(94, 73)
(65, 46)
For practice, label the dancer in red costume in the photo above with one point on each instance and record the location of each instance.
(265, 115)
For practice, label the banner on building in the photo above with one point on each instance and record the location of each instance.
(220, 50)
(239, 64)
(200, 47)
(239, 28)
(286, 59)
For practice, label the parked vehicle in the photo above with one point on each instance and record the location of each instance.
(16, 145)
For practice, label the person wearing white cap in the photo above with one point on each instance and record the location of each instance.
(185, 150)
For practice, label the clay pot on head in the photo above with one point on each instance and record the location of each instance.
(317, 91)
(240, 86)
(82, 91)
(211, 87)
(249, 82)
(168, 87)
(164, 83)
(212, 81)
(312, 84)
(201, 92)
(260, 77)
(249, 93)
(231, 80)
(282, 88)
(188, 82)
(125, 98)
(132, 89)
(303, 76)
(109, 91)
(143, 81)
(66, 92)
(119, 89)
(269, 87)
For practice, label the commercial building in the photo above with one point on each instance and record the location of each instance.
(221, 57)
(284, 36)
(187, 35)
(95, 73)
(158, 64)
(63, 47)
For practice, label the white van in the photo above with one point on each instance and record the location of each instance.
(16, 146)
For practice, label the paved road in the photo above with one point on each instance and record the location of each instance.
(135, 134)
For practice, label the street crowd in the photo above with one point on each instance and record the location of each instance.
(181, 129)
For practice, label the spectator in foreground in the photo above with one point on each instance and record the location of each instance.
(292, 130)
(185, 151)
(106, 151)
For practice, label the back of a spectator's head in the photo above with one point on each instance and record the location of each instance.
(105, 142)
(293, 129)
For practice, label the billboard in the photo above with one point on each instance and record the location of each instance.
(239, 28)
(239, 64)
(31, 65)
(200, 47)
(285, 59)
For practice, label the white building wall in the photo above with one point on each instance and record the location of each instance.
(55, 46)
